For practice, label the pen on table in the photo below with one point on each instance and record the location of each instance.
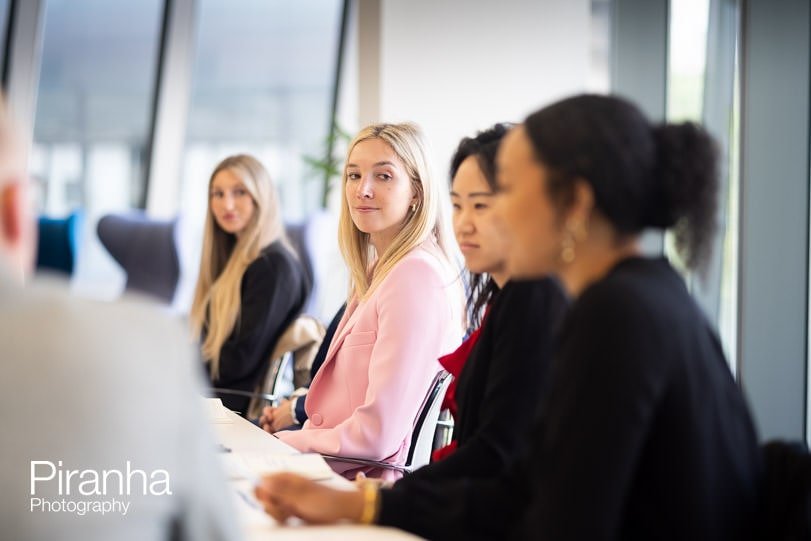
(248, 499)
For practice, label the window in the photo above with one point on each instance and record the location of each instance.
(94, 106)
(687, 59)
(600, 47)
(262, 83)
(4, 5)
(702, 83)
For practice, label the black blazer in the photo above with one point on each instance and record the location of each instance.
(273, 292)
(643, 433)
(498, 389)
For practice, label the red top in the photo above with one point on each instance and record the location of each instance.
(453, 363)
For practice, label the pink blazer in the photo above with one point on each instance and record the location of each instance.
(365, 398)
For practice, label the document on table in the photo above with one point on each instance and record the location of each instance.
(217, 413)
(253, 465)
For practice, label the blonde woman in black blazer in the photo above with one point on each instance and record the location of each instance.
(251, 286)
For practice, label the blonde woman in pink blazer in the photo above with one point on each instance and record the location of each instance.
(404, 308)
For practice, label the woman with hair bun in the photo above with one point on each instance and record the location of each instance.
(643, 433)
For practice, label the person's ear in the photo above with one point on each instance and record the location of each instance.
(415, 200)
(579, 214)
(11, 212)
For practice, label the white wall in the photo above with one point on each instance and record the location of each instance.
(454, 67)
(457, 67)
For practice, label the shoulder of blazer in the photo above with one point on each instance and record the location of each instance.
(538, 306)
(278, 252)
(419, 262)
(277, 260)
(536, 295)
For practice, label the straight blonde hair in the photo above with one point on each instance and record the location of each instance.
(425, 222)
(217, 303)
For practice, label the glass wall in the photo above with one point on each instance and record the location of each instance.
(703, 87)
(687, 59)
(262, 84)
(4, 13)
(262, 81)
(93, 112)
(600, 47)
(94, 102)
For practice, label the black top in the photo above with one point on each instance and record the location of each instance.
(273, 292)
(500, 384)
(643, 433)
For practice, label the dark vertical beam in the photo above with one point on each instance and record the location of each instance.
(332, 131)
(153, 117)
(171, 107)
(23, 59)
(7, 42)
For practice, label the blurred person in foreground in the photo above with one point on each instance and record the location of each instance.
(104, 436)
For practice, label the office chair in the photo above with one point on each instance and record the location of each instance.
(297, 236)
(786, 500)
(57, 245)
(288, 365)
(422, 437)
(146, 250)
(444, 429)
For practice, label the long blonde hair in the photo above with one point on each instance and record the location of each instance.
(225, 257)
(427, 220)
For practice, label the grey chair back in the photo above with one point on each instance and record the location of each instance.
(146, 250)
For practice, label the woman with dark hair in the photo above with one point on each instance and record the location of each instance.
(500, 368)
(476, 156)
(643, 433)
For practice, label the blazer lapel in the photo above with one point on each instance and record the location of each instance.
(351, 315)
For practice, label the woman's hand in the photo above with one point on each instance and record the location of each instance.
(266, 419)
(278, 418)
(286, 495)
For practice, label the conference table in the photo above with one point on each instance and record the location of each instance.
(243, 437)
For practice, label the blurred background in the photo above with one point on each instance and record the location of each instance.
(129, 106)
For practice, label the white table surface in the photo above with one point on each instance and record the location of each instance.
(241, 436)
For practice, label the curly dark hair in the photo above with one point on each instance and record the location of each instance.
(481, 288)
(642, 175)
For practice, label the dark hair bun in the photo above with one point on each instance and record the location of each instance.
(642, 175)
(686, 176)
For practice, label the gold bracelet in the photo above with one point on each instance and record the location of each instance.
(370, 497)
